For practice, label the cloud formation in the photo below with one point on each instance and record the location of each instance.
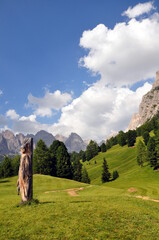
(124, 55)
(26, 126)
(12, 114)
(31, 118)
(99, 111)
(1, 92)
(51, 101)
(139, 9)
(96, 114)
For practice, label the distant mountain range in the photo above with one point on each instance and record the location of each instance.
(10, 144)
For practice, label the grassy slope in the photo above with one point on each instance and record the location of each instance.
(123, 159)
(105, 211)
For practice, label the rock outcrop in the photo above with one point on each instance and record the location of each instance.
(148, 108)
(61, 138)
(48, 138)
(75, 143)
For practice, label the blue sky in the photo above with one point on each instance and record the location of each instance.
(40, 50)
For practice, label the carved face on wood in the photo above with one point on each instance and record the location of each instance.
(25, 148)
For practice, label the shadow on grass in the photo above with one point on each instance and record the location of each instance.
(48, 202)
(34, 202)
(4, 181)
(81, 201)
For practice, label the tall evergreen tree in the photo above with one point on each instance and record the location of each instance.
(103, 147)
(54, 146)
(85, 177)
(131, 137)
(146, 137)
(92, 150)
(151, 152)
(64, 168)
(141, 153)
(121, 137)
(6, 167)
(41, 159)
(77, 170)
(105, 174)
(53, 151)
(15, 164)
(157, 145)
(82, 155)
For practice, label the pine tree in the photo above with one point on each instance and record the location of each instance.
(15, 164)
(157, 145)
(131, 137)
(82, 155)
(146, 137)
(64, 168)
(77, 170)
(115, 174)
(85, 177)
(6, 168)
(121, 137)
(103, 147)
(53, 151)
(54, 146)
(41, 159)
(105, 174)
(92, 150)
(141, 153)
(151, 152)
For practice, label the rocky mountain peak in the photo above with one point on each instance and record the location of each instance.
(156, 83)
(148, 107)
(48, 138)
(7, 134)
(10, 144)
(60, 138)
(75, 143)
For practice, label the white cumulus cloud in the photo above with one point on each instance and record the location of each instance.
(31, 118)
(12, 114)
(1, 92)
(27, 126)
(99, 111)
(139, 10)
(51, 101)
(124, 55)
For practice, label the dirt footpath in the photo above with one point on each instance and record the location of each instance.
(73, 192)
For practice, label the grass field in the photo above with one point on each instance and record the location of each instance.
(123, 159)
(73, 210)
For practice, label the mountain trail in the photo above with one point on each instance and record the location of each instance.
(73, 192)
(146, 198)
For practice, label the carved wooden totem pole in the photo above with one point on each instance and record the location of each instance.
(25, 180)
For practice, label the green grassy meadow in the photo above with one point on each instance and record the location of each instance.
(97, 211)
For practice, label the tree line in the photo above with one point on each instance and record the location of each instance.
(54, 161)
(148, 150)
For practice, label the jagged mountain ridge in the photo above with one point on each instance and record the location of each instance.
(148, 107)
(10, 143)
(75, 143)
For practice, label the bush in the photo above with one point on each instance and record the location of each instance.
(115, 174)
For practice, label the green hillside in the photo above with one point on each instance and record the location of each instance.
(73, 210)
(123, 159)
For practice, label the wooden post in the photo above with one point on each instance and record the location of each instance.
(25, 180)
